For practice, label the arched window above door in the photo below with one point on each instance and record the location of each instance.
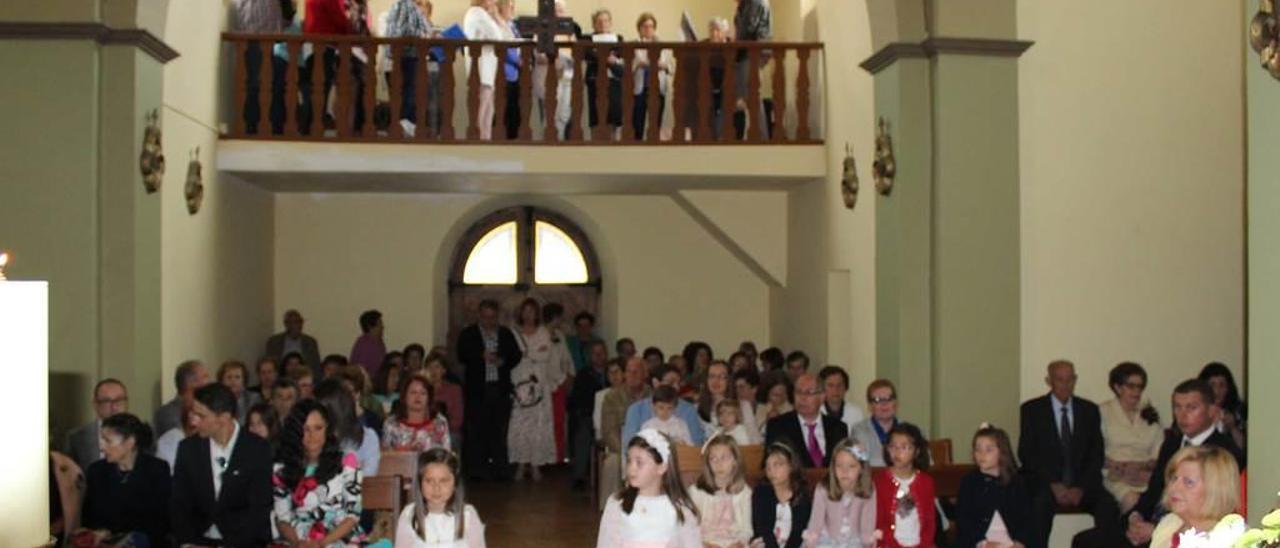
(524, 246)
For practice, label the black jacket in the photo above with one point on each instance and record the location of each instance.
(1150, 500)
(123, 503)
(786, 428)
(471, 356)
(1039, 448)
(242, 511)
(980, 497)
(764, 508)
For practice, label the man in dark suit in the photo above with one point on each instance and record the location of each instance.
(488, 353)
(222, 478)
(1061, 450)
(109, 398)
(1196, 419)
(189, 376)
(811, 434)
(292, 339)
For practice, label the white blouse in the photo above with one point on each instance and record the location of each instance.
(477, 24)
(440, 530)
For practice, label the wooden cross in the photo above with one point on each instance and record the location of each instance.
(545, 27)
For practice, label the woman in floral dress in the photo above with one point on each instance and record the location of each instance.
(316, 486)
(415, 425)
(531, 437)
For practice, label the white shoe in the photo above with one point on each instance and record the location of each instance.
(408, 127)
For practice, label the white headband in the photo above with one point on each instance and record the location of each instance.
(657, 441)
(858, 452)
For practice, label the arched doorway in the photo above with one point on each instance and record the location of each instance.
(521, 252)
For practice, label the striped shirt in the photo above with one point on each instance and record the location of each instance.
(258, 16)
(405, 20)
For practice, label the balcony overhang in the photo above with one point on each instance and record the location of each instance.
(497, 168)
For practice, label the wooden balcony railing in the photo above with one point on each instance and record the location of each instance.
(346, 88)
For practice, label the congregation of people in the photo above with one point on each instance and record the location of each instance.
(490, 21)
(281, 462)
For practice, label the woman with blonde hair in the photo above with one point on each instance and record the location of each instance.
(481, 23)
(1203, 487)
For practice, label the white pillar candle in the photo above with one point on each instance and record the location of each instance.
(24, 413)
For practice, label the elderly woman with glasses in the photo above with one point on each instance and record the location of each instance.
(1132, 434)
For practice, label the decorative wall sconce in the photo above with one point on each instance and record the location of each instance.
(195, 183)
(1264, 37)
(849, 180)
(885, 167)
(151, 161)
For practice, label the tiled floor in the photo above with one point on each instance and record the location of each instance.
(545, 514)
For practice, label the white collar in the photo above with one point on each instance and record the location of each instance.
(231, 442)
(805, 424)
(1199, 439)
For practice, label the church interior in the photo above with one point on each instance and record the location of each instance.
(949, 195)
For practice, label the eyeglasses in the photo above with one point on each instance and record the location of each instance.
(878, 401)
(113, 401)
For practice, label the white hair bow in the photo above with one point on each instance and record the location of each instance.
(657, 441)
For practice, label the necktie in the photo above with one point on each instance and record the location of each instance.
(1064, 432)
(815, 452)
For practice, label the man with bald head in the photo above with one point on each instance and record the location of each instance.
(807, 430)
(1061, 450)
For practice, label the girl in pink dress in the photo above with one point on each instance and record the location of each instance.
(844, 506)
(721, 495)
(653, 510)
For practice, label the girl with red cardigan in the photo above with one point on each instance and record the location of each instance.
(905, 507)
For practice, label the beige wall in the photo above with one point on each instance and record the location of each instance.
(217, 265)
(827, 307)
(666, 278)
(48, 201)
(1132, 181)
(1264, 278)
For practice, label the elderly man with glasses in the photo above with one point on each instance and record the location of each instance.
(810, 433)
(873, 432)
(109, 398)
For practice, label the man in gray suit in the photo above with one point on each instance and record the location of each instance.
(109, 398)
(190, 375)
(294, 340)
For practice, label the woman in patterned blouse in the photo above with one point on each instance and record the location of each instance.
(316, 486)
(415, 426)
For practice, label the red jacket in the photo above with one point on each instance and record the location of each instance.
(327, 17)
(886, 485)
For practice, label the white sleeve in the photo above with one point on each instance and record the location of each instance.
(475, 528)
(610, 525)
(690, 535)
(742, 515)
(749, 421)
(405, 536)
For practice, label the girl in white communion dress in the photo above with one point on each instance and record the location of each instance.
(653, 510)
(439, 516)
